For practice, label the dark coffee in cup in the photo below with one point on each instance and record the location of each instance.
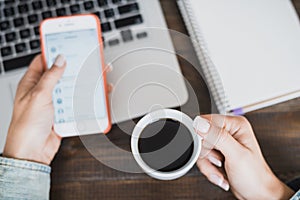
(166, 145)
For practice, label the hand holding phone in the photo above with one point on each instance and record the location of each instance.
(78, 38)
(30, 135)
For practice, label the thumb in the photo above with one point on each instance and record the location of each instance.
(216, 137)
(52, 76)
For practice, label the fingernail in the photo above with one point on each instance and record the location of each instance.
(219, 182)
(109, 67)
(60, 61)
(215, 161)
(225, 186)
(201, 125)
(110, 87)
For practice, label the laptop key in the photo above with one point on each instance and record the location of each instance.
(61, 12)
(9, 12)
(6, 51)
(105, 27)
(18, 22)
(34, 44)
(109, 13)
(18, 62)
(23, 8)
(141, 35)
(128, 8)
(20, 47)
(10, 36)
(88, 5)
(33, 18)
(25, 33)
(75, 9)
(51, 3)
(98, 14)
(126, 35)
(113, 42)
(4, 25)
(133, 20)
(46, 14)
(8, 2)
(36, 30)
(116, 1)
(37, 5)
(102, 3)
(65, 1)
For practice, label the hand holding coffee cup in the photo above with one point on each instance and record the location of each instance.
(167, 143)
(246, 170)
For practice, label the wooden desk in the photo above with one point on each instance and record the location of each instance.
(77, 175)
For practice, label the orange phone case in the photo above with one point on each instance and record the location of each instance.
(101, 54)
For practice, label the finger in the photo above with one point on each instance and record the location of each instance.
(238, 126)
(215, 157)
(207, 148)
(230, 123)
(55, 141)
(218, 138)
(213, 174)
(52, 145)
(109, 88)
(51, 77)
(109, 68)
(31, 77)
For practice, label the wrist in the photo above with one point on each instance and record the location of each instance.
(285, 192)
(20, 154)
(12, 155)
(278, 190)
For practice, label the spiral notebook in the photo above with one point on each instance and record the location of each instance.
(248, 50)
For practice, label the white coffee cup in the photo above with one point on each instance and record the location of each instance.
(163, 115)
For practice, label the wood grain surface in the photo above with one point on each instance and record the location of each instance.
(76, 174)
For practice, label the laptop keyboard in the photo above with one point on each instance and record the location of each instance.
(20, 19)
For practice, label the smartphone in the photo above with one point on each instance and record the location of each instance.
(80, 98)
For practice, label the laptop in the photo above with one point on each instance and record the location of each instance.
(145, 72)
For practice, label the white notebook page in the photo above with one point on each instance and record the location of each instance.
(255, 46)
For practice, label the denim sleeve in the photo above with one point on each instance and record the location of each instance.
(23, 179)
(296, 196)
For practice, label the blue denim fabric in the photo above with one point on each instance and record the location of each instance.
(21, 179)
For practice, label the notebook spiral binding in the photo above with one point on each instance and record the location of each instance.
(210, 72)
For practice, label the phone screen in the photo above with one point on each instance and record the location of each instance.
(76, 47)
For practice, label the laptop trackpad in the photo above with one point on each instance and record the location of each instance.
(13, 88)
(13, 85)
